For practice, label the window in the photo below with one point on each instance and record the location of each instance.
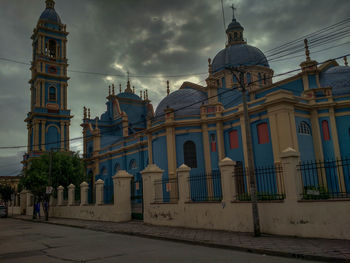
(190, 155)
(52, 48)
(132, 164)
(304, 128)
(234, 139)
(104, 171)
(52, 93)
(259, 79)
(213, 142)
(249, 78)
(325, 130)
(223, 83)
(234, 79)
(235, 35)
(264, 79)
(263, 133)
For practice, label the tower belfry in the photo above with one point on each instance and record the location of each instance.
(49, 118)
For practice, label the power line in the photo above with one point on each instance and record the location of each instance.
(178, 109)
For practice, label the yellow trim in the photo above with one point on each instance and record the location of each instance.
(55, 125)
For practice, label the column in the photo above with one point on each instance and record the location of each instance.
(227, 169)
(205, 137)
(149, 146)
(61, 96)
(150, 174)
(183, 175)
(99, 192)
(65, 96)
(292, 178)
(67, 136)
(122, 193)
(43, 93)
(36, 135)
(43, 131)
(84, 191)
(62, 136)
(71, 194)
(60, 195)
(220, 140)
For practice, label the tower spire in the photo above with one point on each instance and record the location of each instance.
(307, 51)
(128, 88)
(50, 4)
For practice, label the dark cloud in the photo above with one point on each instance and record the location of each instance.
(153, 37)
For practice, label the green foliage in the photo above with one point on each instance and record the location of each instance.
(66, 168)
(6, 192)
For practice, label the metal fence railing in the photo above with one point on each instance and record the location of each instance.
(328, 179)
(77, 195)
(166, 190)
(269, 183)
(108, 192)
(205, 187)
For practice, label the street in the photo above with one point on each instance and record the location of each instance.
(22, 241)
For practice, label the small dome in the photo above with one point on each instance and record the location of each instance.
(234, 25)
(50, 15)
(338, 78)
(128, 95)
(239, 55)
(183, 101)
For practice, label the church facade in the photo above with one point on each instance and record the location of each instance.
(201, 125)
(49, 118)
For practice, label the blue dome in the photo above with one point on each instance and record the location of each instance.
(128, 95)
(338, 78)
(184, 101)
(51, 15)
(239, 55)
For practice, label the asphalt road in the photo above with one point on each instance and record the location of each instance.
(22, 241)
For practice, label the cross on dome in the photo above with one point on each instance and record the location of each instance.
(233, 12)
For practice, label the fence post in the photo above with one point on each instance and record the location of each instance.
(23, 202)
(122, 193)
(228, 184)
(60, 195)
(151, 173)
(71, 194)
(84, 189)
(292, 179)
(99, 191)
(183, 176)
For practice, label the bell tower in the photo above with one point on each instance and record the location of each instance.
(49, 118)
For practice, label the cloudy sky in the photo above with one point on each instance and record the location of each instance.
(156, 39)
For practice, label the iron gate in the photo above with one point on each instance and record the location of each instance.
(137, 198)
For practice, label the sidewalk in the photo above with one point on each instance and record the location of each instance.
(331, 250)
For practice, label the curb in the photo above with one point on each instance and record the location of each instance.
(203, 243)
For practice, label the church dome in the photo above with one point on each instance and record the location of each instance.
(234, 25)
(239, 55)
(338, 78)
(50, 13)
(128, 95)
(184, 102)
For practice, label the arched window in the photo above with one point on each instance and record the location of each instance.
(223, 83)
(325, 130)
(304, 128)
(190, 155)
(116, 168)
(263, 133)
(132, 164)
(104, 171)
(264, 79)
(234, 79)
(235, 35)
(52, 48)
(52, 93)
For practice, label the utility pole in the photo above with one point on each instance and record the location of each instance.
(250, 163)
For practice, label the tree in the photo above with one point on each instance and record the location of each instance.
(66, 168)
(6, 192)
